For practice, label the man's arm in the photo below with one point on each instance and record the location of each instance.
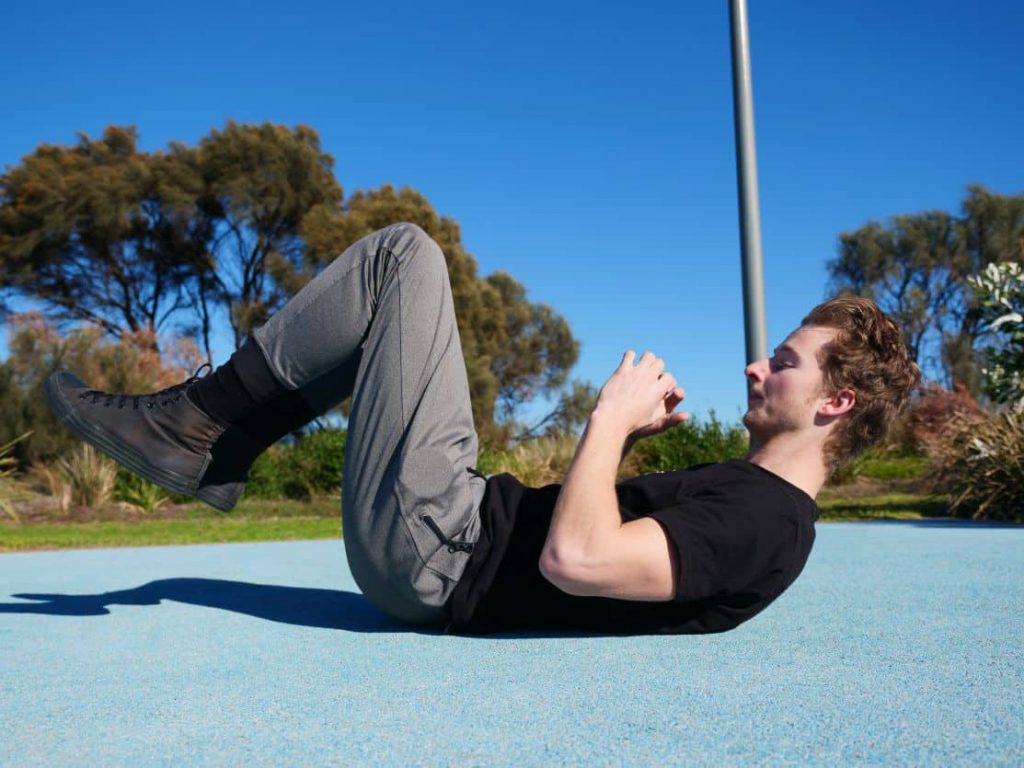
(589, 550)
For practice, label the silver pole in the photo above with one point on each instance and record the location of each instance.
(746, 172)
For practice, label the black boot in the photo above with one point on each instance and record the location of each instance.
(162, 436)
(172, 442)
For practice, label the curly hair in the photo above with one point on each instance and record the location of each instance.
(868, 355)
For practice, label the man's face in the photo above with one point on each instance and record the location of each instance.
(785, 390)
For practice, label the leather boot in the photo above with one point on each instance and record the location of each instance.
(163, 437)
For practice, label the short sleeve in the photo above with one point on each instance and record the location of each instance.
(723, 547)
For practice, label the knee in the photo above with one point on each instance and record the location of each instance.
(408, 238)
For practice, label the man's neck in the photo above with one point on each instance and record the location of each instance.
(799, 464)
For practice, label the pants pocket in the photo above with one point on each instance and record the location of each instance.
(436, 503)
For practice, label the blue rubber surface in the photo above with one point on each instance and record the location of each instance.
(900, 643)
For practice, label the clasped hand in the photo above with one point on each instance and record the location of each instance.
(641, 398)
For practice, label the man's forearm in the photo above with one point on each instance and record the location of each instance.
(587, 510)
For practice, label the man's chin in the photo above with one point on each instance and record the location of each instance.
(755, 426)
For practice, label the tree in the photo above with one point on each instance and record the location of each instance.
(105, 235)
(259, 183)
(514, 350)
(99, 232)
(1000, 293)
(916, 268)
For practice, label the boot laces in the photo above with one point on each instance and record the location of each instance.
(152, 400)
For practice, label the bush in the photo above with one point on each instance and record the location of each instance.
(938, 413)
(138, 493)
(311, 466)
(138, 362)
(90, 474)
(688, 444)
(534, 462)
(7, 463)
(265, 475)
(983, 467)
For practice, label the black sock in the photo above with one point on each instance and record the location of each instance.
(238, 387)
(235, 451)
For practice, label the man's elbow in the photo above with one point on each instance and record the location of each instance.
(563, 574)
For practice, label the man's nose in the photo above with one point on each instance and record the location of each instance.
(755, 370)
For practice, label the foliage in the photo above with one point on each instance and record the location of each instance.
(138, 493)
(984, 468)
(315, 463)
(999, 290)
(105, 234)
(310, 467)
(90, 474)
(881, 462)
(916, 268)
(50, 480)
(514, 350)
(7, 464)
(535, 462)
(691, 442)
(938, 415)
(132, 364)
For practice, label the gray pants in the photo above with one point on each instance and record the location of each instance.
(378, 324)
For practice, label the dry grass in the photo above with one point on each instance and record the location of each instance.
(983, 467)
(536, 462)
(90, 475)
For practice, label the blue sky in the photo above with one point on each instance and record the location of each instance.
(585, 148)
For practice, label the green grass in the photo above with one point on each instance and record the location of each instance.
(283, 520)
(893, 468)
(893, 506)
(157, 532)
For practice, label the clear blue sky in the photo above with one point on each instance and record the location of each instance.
(586, 148)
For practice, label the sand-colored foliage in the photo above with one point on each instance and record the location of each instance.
(983, 467)
(137, 363)
(535, 462)
(90, 474)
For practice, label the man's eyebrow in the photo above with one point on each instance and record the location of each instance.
(786, 348)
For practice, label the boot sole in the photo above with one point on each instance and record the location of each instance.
(115, 449)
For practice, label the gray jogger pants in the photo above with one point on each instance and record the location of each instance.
(379, 324)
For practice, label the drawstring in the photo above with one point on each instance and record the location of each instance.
(473, 471)
(453, 546)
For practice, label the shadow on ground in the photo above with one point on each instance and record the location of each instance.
(301, 606)
(320, 608)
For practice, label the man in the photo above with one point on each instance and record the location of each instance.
(433, 542)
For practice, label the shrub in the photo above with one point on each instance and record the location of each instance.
(317, 459)
(138, 493)
(983, 467)
(938, 413)
(265, 476)
(51, 481)
(91, 476)
(688, 444)
(7, 464)
(311, 466)
(535, 462)
(138, 362)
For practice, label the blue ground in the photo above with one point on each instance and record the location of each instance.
(901, 643)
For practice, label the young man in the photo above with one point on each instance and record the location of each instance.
(431, 541)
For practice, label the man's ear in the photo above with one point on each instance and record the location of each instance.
(841, 402)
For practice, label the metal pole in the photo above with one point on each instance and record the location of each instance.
(746, 172)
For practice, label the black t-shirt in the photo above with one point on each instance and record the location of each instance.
(742, 535)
